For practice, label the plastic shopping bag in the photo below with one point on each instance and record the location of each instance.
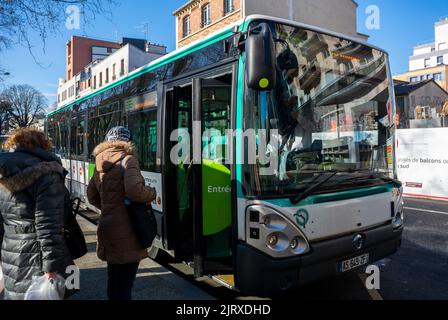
(2, 281)
(43, 288)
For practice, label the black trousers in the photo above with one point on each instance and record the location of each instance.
(121, 278)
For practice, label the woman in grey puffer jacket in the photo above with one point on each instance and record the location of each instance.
(33, 206)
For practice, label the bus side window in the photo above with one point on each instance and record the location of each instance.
(143, 125)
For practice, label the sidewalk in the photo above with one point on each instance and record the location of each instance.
(154, 282)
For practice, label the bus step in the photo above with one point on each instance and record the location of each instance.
(227, 280)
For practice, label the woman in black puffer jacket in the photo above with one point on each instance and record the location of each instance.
(33, 206)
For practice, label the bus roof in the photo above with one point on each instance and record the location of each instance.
(197, 45)
(172, 56)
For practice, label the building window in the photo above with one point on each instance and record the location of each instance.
(229, 6)
(438, 76)
(94, 82)
(440, 60)
(206, 15)
(414, 79)
(186, 26)
(122, 67)
(101, 79)
(107, 75)
(114, 72)
(427, 63)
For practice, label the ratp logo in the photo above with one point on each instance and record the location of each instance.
(302, 217)
(73, 21)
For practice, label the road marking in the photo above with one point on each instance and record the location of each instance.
(426, 210)
(374, 294)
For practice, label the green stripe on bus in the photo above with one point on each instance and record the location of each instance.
(239, 127)
(92, 167)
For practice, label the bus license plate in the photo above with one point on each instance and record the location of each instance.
(354, 263)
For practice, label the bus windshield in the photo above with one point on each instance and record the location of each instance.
(331, 111)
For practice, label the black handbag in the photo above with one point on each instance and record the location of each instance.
(74, 237)
(144, 223)
(142, 219)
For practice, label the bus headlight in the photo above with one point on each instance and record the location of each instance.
(269, 231)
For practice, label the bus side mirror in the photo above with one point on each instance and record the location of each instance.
(260, 58)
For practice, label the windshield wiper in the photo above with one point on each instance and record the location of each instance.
(308, 192)
(375, 175)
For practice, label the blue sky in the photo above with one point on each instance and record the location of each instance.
(404, 23)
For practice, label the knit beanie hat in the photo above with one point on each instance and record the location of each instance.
(119, 134)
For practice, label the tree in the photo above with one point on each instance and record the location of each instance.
(24, 105)
(44, 17)
(4, 116)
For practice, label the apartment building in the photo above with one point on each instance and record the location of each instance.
(80, 51)
(429, 61)
(103, 67)
(199, 18)
(420, 104)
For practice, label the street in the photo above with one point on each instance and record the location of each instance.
(420, 269)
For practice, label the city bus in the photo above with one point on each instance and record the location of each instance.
(295, 180)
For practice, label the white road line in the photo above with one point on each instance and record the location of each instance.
(374, 294)
(426, 210)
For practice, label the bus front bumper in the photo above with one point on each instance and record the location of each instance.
(259, 274)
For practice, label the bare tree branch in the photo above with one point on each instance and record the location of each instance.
(23, 105)
(20, 18)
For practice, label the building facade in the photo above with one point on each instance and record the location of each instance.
(199, 18)
(430, 60)
(420, 104)
(103, 65)
(80, 51)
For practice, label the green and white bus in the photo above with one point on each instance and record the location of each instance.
(330, 204)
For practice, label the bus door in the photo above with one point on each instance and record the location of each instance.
(78, 154)
(201, 113)
(212, 101)
(178, 217)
